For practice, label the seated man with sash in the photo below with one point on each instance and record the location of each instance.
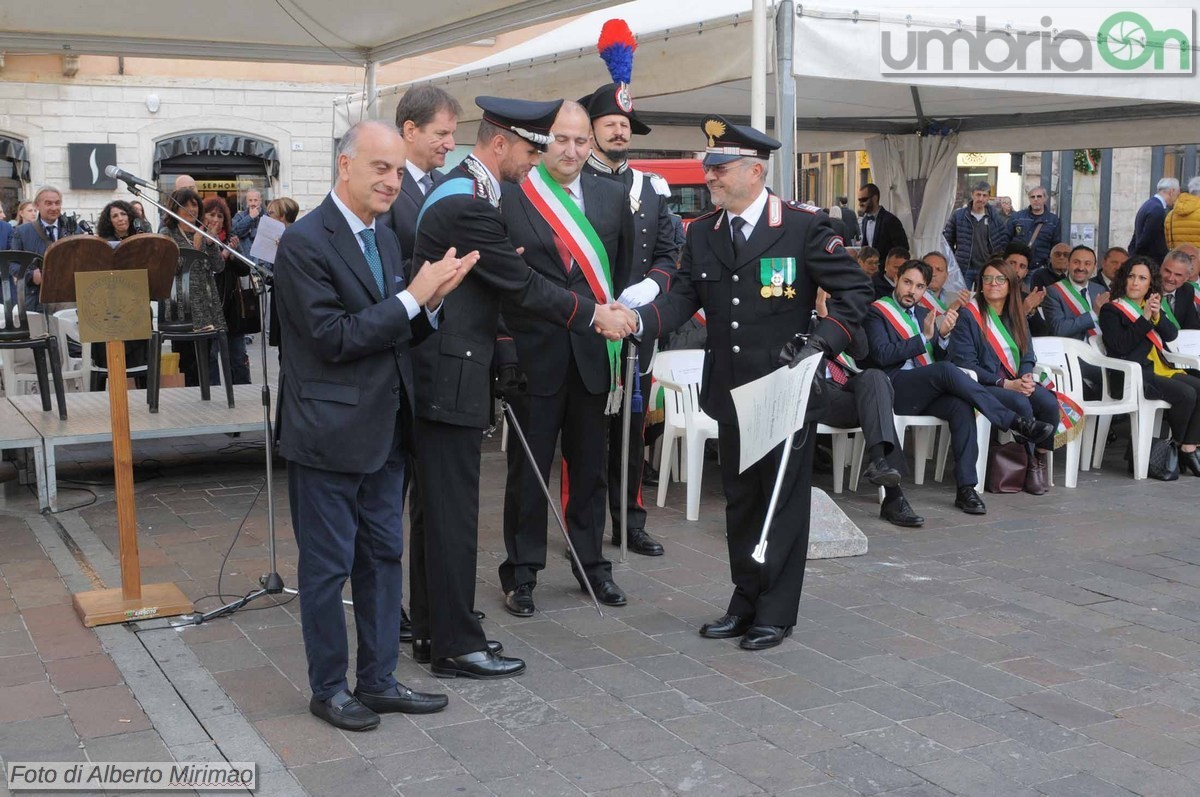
(573, 227)
(910, 345)
(1072, 306)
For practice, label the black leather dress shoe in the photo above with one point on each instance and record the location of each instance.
(519, 602)
(761, 637)
(403, 700)
(423, 654)
(344, 711)
(479, 615)
(608, 593)
(649, 476)
(729, 626)
(482, 664)
(881, 474)
(969, 501)
(1190, 461)
(898, 512)
(1031, 430)
(641, 542)
(406, 629)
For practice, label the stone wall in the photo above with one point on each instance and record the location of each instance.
(296, 118)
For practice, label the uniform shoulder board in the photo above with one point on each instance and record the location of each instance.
(803, 206)
(659, 184)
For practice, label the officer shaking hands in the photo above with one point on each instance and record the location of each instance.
(754, 267)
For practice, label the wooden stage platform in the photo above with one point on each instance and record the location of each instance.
(181, 413)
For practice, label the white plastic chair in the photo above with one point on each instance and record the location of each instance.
(1052, 355)
(65, 326)
(1145, 415)
(17, 365)
(845, 442)
(925, 435)
(1184, 351)
(680, 372)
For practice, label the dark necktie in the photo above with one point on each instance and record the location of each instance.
(426, 184)
(737, 223)
(52, 232)
(373, 259)
(1171, 301)
(1086, 304)
(837, 373)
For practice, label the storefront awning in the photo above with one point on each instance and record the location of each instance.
(13, 150)
(216, 144)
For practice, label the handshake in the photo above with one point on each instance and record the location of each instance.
(615, 321)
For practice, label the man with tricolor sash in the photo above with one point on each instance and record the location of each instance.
(575, 229)
(1179, 301)
(910, 345)
(754, 267)
(1072, 308)
(651, 270)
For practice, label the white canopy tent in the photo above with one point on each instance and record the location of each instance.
(355, 31)
(694, 58)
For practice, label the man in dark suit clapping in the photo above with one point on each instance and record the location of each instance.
(347, 321)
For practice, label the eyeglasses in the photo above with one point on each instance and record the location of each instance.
(994, 279)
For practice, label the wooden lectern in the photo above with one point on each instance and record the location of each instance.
(112, 289)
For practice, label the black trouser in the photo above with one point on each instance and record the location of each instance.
(1042, 405)
(866, 401)
(1183, 393)
(770, 592)
(579, 415)
(637, 461)
(447, 459)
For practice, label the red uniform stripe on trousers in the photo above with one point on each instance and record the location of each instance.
(565, 492)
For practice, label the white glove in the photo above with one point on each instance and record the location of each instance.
(637, 295)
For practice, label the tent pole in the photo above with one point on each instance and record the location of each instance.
(1066, 190)
(1047, 179)
(371, 110)
(758, 65)
(1106, 181)
(785, 107)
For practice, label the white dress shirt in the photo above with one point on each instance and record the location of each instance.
(751, 215)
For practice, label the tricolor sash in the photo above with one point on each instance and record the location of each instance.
(997, 336)
(932, 303)
(848, 362)
(701, 317)
(1170, 314)
(1131, 310)
(1075, 302)
(905, 324)
(579, 236)
(1196, 293)
(1070, 414)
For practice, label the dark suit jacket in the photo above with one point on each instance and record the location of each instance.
(1185, 309)
(28, 238)
(1060, 319)
(1149, 237)
(346, 369)
(745, 330)
(889, 233)
(402, 217)
(454, 367)
(889, 350)
(969, 349)
(880, 284)
(544, 349)
(1127, 340)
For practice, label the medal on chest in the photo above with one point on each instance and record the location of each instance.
(776, 274)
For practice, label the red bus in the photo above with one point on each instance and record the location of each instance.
(689, 193)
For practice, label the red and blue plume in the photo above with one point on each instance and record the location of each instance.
(616, 47)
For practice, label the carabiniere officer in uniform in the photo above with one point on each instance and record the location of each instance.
(754, 266)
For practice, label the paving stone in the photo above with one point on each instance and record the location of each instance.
(796, 693)
(416, 766)
(599, 771)
(18, 740)
(1040, 734)
(953, 731)
(694, 773)
(962, 776)
(896, 671)
(846, 718)
(708, 732)
(1018, 762)
(892, 702)
(638, 740)
(1062, 710)
(262, 692)
(302, 739)
(900, 745)
(772, 769)
(1113, 766)
(961, 699)
(349, 776)
(862, 770)
(84, 672)
(529, 784)
(666, 705)
(484, 749)
(1081, 785)
(137, 746)
(1145, 743)
(557, 740)
(622, 680)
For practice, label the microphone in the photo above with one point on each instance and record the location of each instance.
(127, 178)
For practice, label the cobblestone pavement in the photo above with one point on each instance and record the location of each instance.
(1051, 647)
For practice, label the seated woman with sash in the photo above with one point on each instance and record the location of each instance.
(992, 339)
(1136, 324)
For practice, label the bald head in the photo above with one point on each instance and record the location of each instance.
(570, 143)
(185, 181)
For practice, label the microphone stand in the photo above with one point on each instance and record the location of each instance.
(271, 583)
